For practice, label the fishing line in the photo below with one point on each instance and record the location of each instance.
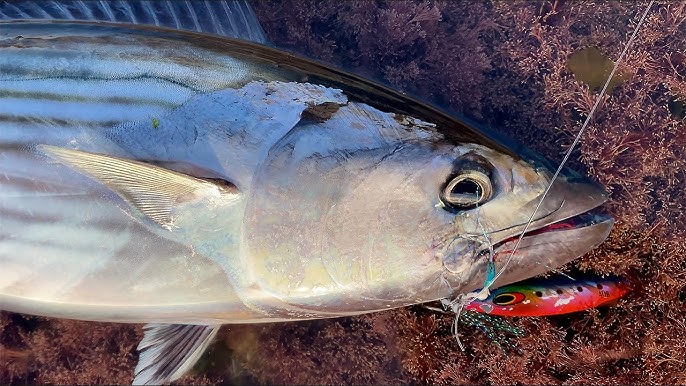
(457, 305)
(578, 136)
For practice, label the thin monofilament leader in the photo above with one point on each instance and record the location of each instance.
(458, 304)
(578, 137)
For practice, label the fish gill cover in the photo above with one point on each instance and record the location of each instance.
(506, 65)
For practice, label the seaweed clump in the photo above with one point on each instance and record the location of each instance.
(41, 350)
(305, 352)
(506, 65)
(37, 350)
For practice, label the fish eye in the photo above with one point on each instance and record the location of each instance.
(508, 298)
(467, 189)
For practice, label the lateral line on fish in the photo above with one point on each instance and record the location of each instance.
(458, 304)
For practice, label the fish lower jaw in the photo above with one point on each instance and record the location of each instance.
(579, 221)
(547, 247)
(541, 249)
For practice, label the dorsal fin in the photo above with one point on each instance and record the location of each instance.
(153, 190)
(168, 351)
(234, 18)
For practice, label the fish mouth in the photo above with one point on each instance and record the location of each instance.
(549, 246)
(590, 218)
(571, 226)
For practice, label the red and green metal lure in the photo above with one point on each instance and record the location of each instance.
(551, 296)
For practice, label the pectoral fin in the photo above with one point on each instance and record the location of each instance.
(153, 190)
(168, 351)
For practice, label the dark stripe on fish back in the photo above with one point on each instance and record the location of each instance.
(115, 100)
(229, 18)
(45, 121)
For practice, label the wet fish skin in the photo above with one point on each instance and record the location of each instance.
(282, 251)
(158, 176)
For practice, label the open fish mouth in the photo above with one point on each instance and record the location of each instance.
(590, 218)
(544, 248)
(570, 224)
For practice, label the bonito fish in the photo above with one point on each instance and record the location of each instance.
(189, 180)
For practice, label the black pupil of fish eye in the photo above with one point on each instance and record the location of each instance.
(467, 187)
(559, 291)
(599, 286)
(539, 294)
(503, 299)
(580, 289)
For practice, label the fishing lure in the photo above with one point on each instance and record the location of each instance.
(551, 296)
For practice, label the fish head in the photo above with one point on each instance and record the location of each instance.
(492, 196)
(405, 220)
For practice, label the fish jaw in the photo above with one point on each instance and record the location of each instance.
(568, 233)
(539, 253)
(566, 226)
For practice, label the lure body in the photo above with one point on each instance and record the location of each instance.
(551, 296)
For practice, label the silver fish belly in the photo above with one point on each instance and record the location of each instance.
(160, 176)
